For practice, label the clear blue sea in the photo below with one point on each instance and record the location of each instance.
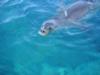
(64, 52)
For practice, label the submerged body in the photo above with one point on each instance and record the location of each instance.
(78, 10)
(73, 13)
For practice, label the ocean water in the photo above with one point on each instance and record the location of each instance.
(64, 52)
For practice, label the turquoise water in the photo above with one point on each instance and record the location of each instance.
(24, 52)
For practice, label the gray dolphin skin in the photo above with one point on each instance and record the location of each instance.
(73, 13)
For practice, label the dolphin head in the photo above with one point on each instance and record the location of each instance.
(47, 27)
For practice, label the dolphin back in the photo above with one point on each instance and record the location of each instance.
(89, 0)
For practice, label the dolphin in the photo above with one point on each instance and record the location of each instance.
(71, 14)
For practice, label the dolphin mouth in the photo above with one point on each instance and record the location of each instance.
(42, 34)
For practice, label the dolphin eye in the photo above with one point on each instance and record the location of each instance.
(42, 31)
(50, 28)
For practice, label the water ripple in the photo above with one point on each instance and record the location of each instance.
(15, 2)
(2, 2)
(9, 19)
(29, 6)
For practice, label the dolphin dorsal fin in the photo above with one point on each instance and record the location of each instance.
(62, 10)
